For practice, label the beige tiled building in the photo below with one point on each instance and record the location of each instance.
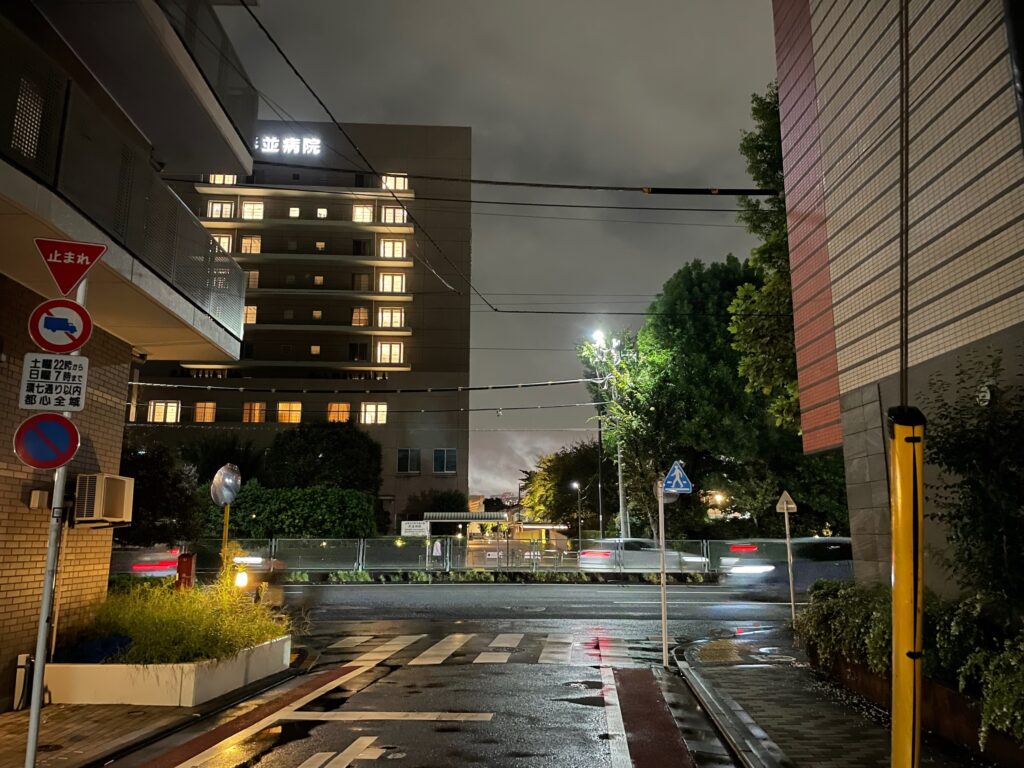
(357, 299)
(838, 92)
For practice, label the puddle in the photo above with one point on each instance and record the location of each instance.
(587, 701)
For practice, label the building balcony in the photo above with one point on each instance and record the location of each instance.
(337, 365)
(249, 259)
(324, 328)
(73, 167)
(312, 193)
(171, 66)
(330, 293)
(310, 224)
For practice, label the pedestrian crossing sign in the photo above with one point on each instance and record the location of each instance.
(676, 480)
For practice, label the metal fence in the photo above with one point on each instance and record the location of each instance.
(80, 144)
(404, 554)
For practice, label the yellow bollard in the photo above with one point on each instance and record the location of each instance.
(906, 433)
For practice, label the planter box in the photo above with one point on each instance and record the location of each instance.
(946, 712)
(169, 685)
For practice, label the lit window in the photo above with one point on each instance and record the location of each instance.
(321, 213)
(224, 241)
(250, 313)
(252, 209)
(360, 316)
(318, 314)
(318, 279)
(396, 181)
(362, 213)
(444, 461)
(293, 213)
(391, 317)
(164, 411)
(393, 214)
(392, 249)
(392, 283)
(389, 352)
(252, 243)
(222, 178)
(220, 209)
(361, 281)
(373, 413)
(289, 413)
(314, 349)
(408, 459)
(204, 413)
(339, 411)
(254, 413)
(289, 314)
(321, 246)
(252, 279)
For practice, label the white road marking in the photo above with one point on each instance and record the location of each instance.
(387, 649)
(614, 649)
(317, 760)
(492, 657)
(354, 751)
(616, 728)
(353, 716)
(557, 649)
(705, 602)
(350, 642)
(506, 641)
(440, 651)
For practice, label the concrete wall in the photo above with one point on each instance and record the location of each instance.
(85, 556)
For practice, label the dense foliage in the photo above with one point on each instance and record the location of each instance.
(164, 625)
(210, 451)
(975, 437)
(973, 643)
(167, 504)
(548, 493)
(298, 513)
(325, 453)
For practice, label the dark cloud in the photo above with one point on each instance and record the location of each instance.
(646, 92)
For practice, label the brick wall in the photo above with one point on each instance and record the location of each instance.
(85, 557)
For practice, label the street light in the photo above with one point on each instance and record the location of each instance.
(612, 351)
(579, 512)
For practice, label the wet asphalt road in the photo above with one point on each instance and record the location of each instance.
(512, 675)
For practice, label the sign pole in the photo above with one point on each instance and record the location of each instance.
(60, 477)
(660, 493)
(789, 562)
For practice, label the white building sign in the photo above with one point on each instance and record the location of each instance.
(415, 528)
(53, 382)
(270, 144)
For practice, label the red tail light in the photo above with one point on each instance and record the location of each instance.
(595, 553)
(743, 547)
(163, 565)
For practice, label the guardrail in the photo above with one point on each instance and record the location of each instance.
(439, 553)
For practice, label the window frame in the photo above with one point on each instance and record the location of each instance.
(394, 214)
(254, 412)
(339, 412)
(362, 213)
(246, 242)
(294, 212)
(391, 278)
(204, 412)
(360, 312)
(392, 313)
(250, 207)
(288, 408)
(409, 454)
(218, 237)
(250, 317)
(163, 406)
(225, 179)
(220, 206)
(397, 182)
(373, 413)
(446, 454)
(321, 213)
(386, 349)
(390, 246)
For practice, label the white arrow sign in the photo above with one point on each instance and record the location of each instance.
(786, 504)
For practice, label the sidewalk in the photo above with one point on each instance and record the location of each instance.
(74, 735)
(778, 712)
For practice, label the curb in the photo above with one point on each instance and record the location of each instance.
(745, 738)
(211, 708)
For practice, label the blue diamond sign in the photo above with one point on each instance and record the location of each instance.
(676, 480)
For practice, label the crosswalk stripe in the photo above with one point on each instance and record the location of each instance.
(491, 657)
(614, 649)
(317, 760)
(507, 641)
(557, 649)
(440, 651)
(353, 752)
(350, 642)
(389, 648)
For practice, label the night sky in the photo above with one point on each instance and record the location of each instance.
(637, 93)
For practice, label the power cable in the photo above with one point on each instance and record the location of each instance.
(364, 391)
(390, 411)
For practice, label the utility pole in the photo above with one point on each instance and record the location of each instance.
(600, 491)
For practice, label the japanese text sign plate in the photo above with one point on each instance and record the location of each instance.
(53, 382)
(69, 261)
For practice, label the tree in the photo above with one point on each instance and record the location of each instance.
(335, 454)
(213, 450)
(762, 311)
(549, 493)
(318, 511)
(975, 437)
(167, 505)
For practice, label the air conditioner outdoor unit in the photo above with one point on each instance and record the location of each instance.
(104, 500)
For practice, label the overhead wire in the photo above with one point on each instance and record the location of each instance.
(380, 391)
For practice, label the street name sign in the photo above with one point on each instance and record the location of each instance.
(46, 441)
(786, 505)
(60, 325)
(676, 480)
(68, 260)
(415, 527)
(53, 382)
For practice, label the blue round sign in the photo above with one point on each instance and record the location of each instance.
(46, 441)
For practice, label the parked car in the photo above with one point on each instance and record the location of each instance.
(760, 565)
(635, 556)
